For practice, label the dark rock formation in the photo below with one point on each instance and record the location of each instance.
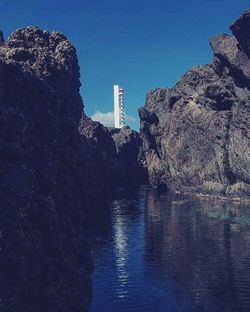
(197, 135)
(45, 259)
(110, 158)
(130, 164)
(1, 38)
(98, 156)
(55, 163)
(240, 30)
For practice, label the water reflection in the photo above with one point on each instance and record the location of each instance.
(166, 253)
(203, 246)
(120, 245)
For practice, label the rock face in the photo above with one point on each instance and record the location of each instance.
(98, 156)
(45, 258)
(130, 165)
(55, 164)
(110, 158)
(196, 136)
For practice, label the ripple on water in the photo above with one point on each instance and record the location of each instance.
(156, 254)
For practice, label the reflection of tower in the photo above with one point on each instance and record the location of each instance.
(119, 113)
(121, 249)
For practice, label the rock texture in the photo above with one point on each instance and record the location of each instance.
(110, 158)
(130, 164)
(196, 136)
(45, 258)
(56, 163)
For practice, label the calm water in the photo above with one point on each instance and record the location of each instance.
(163, 253)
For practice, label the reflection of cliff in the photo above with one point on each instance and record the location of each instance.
(203, 247)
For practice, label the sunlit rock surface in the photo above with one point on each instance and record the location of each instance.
(196, 136)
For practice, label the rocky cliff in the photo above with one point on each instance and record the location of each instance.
(45, 258)
(98, 158)
(56, 163)
(196, 136)
(110, 158)
(130, 164)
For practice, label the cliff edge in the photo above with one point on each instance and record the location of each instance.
(196, 136)
(46, 263)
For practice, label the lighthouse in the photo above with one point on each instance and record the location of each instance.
(119, 114)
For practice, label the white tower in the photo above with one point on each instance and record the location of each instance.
(119, 114)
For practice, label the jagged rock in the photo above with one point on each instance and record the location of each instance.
(130, 164)
(201, 140)
(147, 116)
(240, 30)
(45, 258)
(227, 53)
(55, 162)
(113, 157)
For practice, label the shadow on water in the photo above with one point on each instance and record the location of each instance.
(170, 253)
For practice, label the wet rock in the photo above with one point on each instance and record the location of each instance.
(239, 190)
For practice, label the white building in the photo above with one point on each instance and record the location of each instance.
(119, 114)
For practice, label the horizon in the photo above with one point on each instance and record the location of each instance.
(141, 45)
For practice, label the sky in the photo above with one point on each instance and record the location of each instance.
(138, 44)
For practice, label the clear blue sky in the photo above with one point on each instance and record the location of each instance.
(140, 44)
